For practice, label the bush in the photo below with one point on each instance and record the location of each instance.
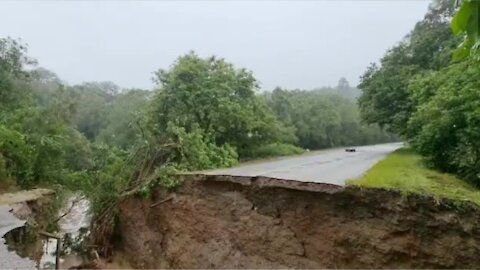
(446, 128)
(16, 156)
(196, 151)
(274, 150)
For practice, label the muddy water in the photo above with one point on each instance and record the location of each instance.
(75, 220)
(27, 244)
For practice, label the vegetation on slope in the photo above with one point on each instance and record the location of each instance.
(405, 170)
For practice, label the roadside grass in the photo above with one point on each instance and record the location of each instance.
(404, 170)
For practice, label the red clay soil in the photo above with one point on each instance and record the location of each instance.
(238, 222)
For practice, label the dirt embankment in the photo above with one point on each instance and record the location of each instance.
(236, 222)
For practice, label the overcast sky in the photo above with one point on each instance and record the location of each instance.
(290, 44)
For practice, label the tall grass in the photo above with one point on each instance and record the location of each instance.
(404, 170)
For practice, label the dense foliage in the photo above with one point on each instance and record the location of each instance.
(211, 97)
(37, 141)
(423, 90)
(385, 95)
(446, 126)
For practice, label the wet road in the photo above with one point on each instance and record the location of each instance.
(9, 259)
(8, 222)
(333, 166)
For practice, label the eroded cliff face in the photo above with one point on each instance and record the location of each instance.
(238, 222)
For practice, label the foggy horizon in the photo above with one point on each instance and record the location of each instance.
(294, 45)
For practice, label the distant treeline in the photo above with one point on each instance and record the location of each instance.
(325, 117)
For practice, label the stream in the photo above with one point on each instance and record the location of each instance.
(40, 252)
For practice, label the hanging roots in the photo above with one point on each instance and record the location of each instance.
(103, 225)
(102, 232)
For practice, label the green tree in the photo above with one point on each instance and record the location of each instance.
(322, 118)
(92, 102)
(38, 142)
(386, 99)
(213, 97)
(446, 126)
(345, 90)
(124, 116)
(13, 91)
(419, 92)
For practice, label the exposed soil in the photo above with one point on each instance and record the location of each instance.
(238, 222)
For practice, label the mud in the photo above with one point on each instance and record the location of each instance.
(241, 222)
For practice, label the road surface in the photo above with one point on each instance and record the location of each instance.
(8, 222)
(334, 166)
(9, 259)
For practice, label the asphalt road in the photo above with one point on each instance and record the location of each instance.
(9, 259)
(333, 166)
(8, 222)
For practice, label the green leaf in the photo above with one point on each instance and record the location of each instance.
(467, 22)
(463, 50)
(460, 21)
